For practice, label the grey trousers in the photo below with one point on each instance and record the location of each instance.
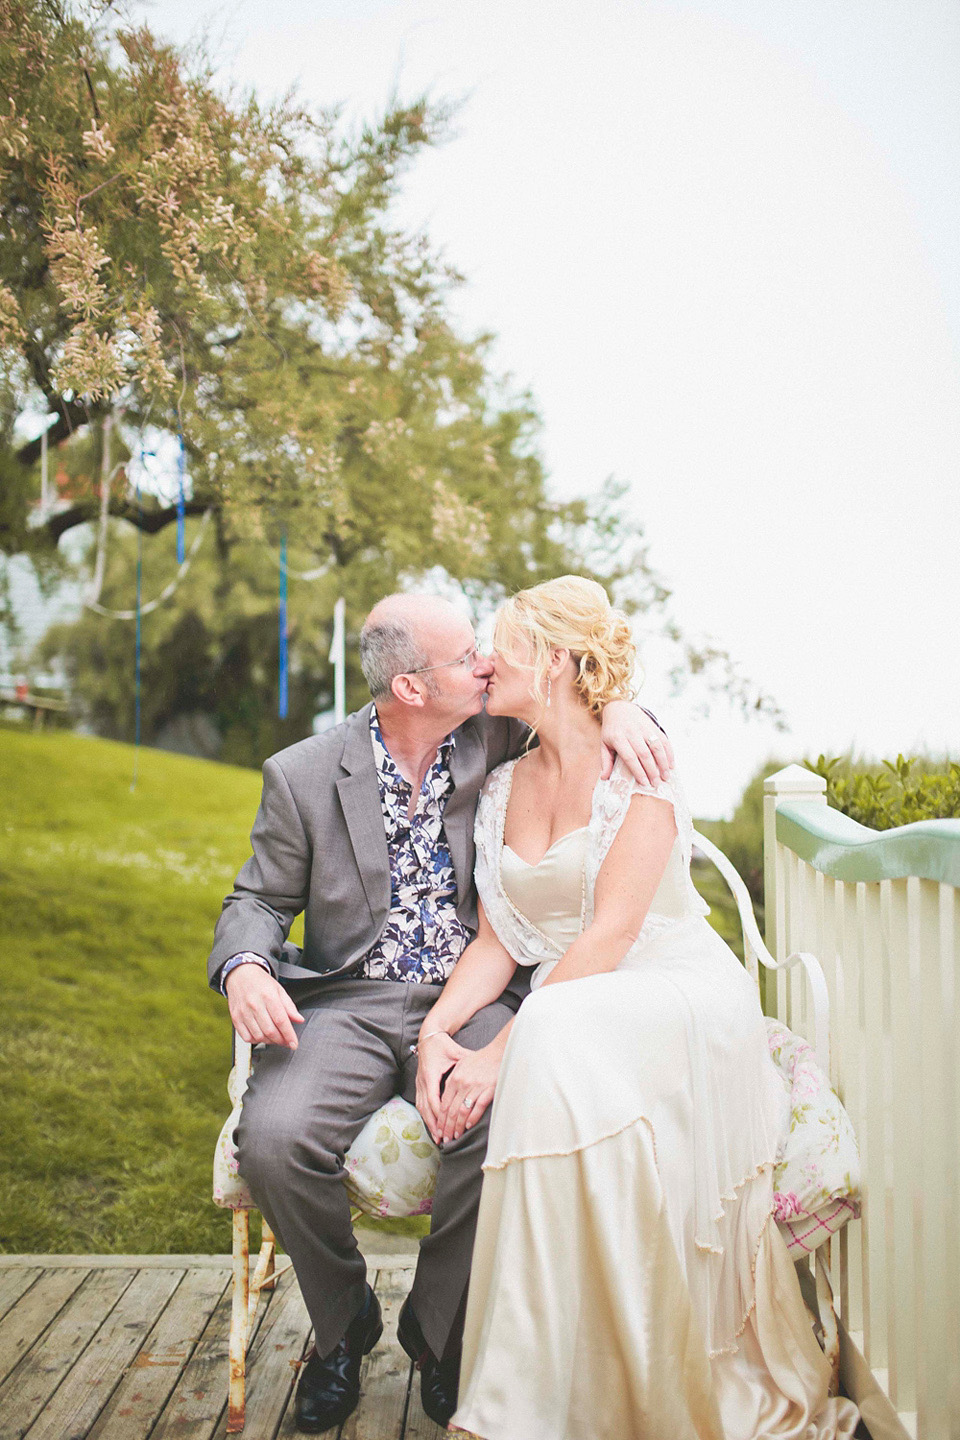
(301, 1111)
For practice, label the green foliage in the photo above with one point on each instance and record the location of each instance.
(113, 1078)
(174, 258)
(204, 263)
(211, 651)
(892, 793)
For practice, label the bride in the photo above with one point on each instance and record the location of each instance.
(628, 1277)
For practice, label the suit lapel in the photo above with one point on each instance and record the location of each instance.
(467, 768)
(360, 802)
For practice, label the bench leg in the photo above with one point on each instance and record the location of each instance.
(239, 1321)
(266, 1274)
(828, 1318)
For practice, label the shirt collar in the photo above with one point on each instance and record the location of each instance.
(386, 765)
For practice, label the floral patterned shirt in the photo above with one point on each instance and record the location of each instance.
(423, 937)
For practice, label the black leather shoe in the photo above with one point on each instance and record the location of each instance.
(329, 1386)
(439, 1379)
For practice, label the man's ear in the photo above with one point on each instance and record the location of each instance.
(406, 689)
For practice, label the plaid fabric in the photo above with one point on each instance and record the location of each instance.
(810, 1231)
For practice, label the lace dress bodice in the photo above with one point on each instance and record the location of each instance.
(537, 911)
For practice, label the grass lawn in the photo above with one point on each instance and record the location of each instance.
(115, 1053)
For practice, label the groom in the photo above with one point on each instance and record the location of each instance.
(368, 829)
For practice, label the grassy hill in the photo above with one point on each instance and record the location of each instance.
(114, 1052)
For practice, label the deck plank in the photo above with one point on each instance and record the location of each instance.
(29, 1387)
(123, 1262)
(25, 1322)
(86, 1389)
(273, 1361)
(14, 1283)
(145, 1388)
(200, 1395)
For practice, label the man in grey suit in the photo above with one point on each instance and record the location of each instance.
(368, 829)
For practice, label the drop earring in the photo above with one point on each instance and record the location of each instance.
(549, 688)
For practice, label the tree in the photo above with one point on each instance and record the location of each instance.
(230, 271)
(175, 260)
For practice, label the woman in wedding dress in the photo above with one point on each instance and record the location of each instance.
(628, 1277)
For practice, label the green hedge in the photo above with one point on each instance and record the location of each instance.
(892, 793)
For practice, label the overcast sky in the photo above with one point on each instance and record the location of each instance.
(718, 241)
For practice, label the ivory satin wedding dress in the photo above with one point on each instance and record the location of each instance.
(628, 1278)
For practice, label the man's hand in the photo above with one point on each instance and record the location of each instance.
(436, 1057)
(260, 1008)
(469, 1090)
(628, 731)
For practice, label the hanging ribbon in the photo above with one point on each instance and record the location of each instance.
(181, 518)
(136, 673)
(282, 634)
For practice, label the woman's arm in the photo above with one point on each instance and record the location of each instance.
(479, 977)
(626, 885)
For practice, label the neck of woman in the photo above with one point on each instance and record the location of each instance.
(569, 735)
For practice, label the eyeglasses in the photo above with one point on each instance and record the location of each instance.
(468, 661)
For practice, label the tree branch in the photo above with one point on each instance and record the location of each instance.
(70, 415)
(149, 521)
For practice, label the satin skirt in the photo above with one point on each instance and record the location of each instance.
(628, 1278)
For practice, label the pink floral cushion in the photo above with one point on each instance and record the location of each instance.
(817, 1180)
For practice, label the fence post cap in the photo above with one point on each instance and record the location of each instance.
(796, 781)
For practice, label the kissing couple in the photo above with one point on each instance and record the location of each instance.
(500, 924)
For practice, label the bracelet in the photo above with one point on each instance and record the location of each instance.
(415, 1049)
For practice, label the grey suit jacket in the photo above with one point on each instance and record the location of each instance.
(319, 846)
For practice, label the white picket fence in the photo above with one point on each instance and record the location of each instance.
(880, 911)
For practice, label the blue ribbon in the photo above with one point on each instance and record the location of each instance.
(137, 647)
(282, 696)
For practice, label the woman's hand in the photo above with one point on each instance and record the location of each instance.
(436, 1057)
(629, 732)
(468, 1091)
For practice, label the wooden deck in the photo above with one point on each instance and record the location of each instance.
(125, 1347)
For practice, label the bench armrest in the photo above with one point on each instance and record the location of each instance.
(754, 949)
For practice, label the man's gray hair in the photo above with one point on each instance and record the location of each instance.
(389, 648)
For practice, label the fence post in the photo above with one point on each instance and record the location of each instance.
(792, 783)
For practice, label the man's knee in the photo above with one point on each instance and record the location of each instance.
(275, 1142)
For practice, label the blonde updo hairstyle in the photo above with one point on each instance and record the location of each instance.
(573, 614)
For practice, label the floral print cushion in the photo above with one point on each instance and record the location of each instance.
(817, 1179)
(391, 1167)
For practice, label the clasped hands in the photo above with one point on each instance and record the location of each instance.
(454, 1085)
